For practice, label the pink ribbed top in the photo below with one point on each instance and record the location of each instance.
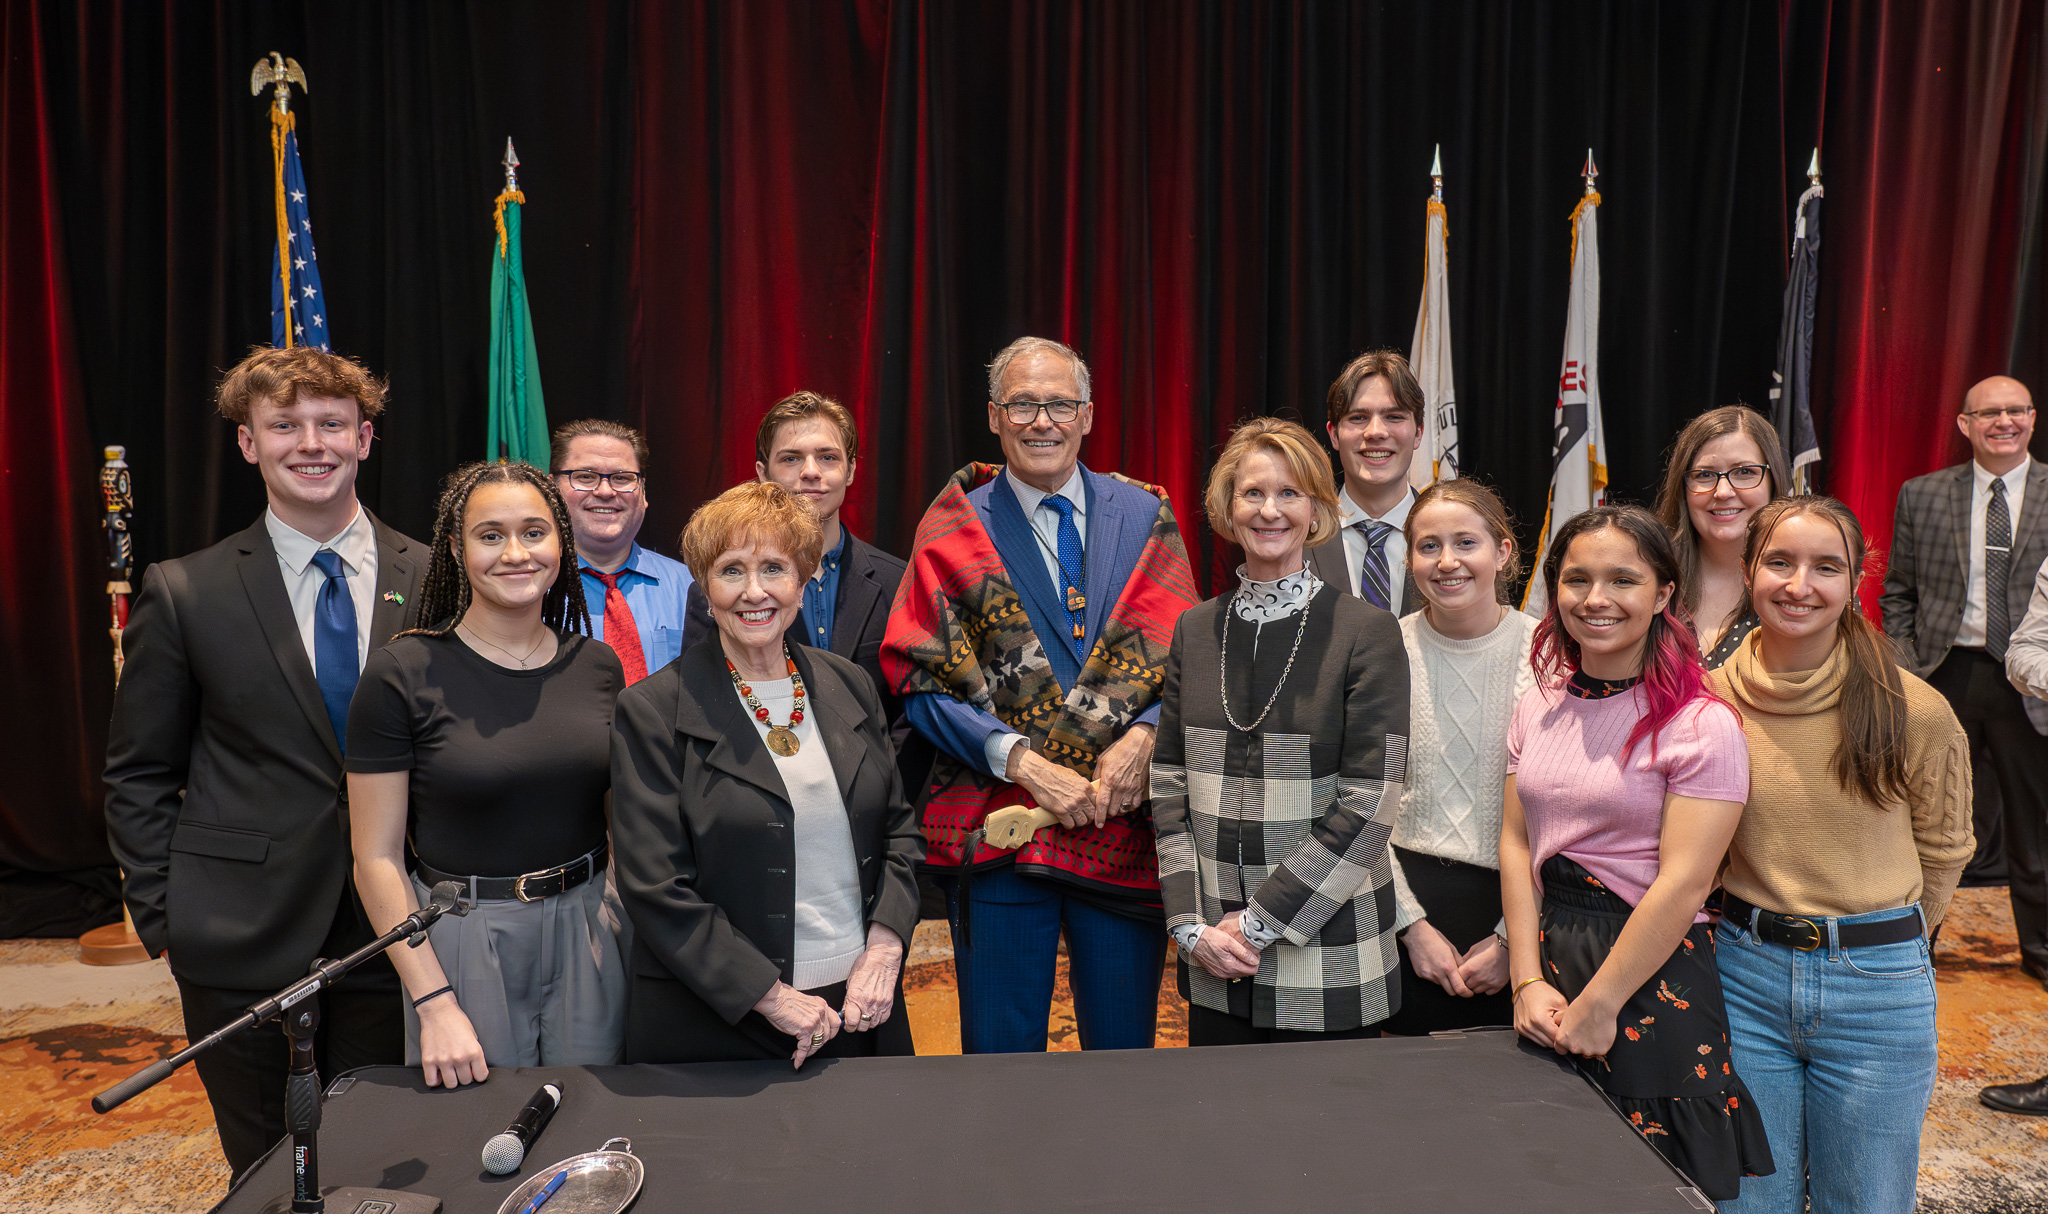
(1582, 800)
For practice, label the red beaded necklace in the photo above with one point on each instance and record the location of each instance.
(781, 738)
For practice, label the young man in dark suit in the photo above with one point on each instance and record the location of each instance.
(809, 445)
(1376, 419)
(225, 799)
(1966, 543)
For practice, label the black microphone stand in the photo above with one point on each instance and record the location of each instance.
(300, 1013)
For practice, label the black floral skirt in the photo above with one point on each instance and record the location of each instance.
(1668, 1070)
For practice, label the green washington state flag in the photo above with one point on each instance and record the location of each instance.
(519, 417)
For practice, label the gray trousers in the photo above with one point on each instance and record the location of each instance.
(543, 983)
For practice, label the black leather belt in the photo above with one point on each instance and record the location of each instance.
(1809, 932)
(526, 887)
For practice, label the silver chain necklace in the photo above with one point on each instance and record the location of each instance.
(1223, 671)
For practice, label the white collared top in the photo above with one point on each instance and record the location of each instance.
(357, 547)
(1349, 514)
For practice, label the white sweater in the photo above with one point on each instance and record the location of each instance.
(1461, 694)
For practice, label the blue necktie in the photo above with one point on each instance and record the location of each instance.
(334, 643)
(1373, 584)
(1070, 570)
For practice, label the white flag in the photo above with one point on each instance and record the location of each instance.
(1578, 477)
(1430, 356)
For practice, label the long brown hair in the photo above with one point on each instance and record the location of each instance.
(1672, 497)
(1871, 756)
(445, 592)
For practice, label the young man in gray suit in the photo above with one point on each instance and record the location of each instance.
(1966, 543)
(225, 799)
(1376, 418)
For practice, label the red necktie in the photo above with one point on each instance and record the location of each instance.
(619, 629)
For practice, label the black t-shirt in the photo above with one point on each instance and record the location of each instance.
(509, 767)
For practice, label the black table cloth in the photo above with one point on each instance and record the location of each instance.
(1479, 1122)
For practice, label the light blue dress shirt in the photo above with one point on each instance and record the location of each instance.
(657, 589)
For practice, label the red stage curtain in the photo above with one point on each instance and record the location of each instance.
(56, 667)
(1926, 162)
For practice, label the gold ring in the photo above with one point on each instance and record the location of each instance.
(816, 1038)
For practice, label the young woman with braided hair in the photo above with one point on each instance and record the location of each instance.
(485, 738)
(1855, 834)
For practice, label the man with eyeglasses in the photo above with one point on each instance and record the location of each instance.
(1029, 641)
(1966, 544)
(644, 595)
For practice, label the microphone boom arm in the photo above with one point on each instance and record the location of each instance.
(446, 899)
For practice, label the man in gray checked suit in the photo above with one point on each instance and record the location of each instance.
(1966, 544)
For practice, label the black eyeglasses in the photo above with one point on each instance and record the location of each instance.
(586, 480)
(1741, 476)
(1025, 412)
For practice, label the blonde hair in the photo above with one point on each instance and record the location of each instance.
(757, 512)
(1305, 460)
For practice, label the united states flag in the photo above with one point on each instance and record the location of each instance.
(298, 309)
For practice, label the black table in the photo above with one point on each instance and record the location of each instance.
(1479, 1122)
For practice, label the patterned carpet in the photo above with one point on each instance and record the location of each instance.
(68, 1030)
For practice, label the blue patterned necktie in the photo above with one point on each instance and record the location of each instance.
(1070, 570)
(1373, 583)
(334, 643)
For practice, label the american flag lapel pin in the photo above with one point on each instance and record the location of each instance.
(392, 596)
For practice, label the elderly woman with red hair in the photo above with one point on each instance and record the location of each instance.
(766, 853)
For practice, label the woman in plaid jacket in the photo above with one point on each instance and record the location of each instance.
(1278, 769)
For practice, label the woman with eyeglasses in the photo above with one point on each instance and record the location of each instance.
(766, 853)
(1725, 466)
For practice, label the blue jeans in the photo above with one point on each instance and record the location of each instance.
(1837, 1047)
(1113, 962)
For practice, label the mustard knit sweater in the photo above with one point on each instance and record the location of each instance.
(1806, 845)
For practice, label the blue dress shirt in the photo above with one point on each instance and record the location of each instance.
(821, 594)
(657, 588)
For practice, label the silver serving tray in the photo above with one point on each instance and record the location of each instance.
(604, 1181)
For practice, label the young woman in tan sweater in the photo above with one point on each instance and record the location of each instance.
(1856, 830)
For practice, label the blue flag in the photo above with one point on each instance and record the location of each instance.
(298, 309)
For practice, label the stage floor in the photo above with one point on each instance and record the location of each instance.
(67, 1031)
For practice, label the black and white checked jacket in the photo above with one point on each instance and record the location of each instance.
(1293, 817)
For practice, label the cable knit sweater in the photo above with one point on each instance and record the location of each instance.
(1806, 845)
(1461, 694)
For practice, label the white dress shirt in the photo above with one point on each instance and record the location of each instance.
(1395, 546)
(303, 581)
(1045, 523)
(1971, 632)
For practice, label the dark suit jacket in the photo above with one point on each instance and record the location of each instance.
(226, 804)
(1928, 571)
(860, 616)
(702, 826)
(1327, 559)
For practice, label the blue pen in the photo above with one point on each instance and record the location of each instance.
(541, 1198)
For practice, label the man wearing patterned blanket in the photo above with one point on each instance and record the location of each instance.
(1028, 640)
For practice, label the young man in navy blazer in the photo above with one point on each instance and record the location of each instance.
(225, 799)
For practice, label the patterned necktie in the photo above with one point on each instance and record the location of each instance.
(1997, 572)
(1070, 570)
(1373, 582)
(334, 643)
(620, 630)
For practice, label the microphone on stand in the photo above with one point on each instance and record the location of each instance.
(505, 1152)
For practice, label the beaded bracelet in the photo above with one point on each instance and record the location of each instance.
(449, 989)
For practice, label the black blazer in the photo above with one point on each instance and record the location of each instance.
(701, 825)
(1329, 562)
(226, 804)
(868, 578)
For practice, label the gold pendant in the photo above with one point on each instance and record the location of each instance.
(782, 741)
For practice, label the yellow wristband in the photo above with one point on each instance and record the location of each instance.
(1519, 985)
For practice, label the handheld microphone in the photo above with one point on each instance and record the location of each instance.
(505, 1152)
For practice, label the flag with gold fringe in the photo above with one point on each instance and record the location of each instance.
(1430, 353)
(518, 426)
(1578, 473)
(298, 309)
